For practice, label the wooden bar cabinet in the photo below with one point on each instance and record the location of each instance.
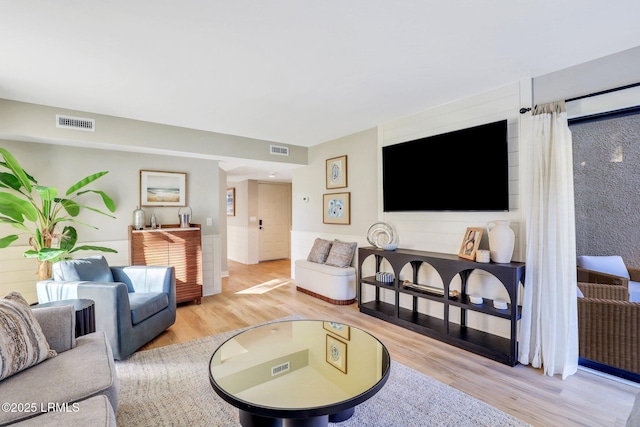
(172, 245)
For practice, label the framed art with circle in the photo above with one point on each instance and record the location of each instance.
(337, 172)
(337, 208)
(337, 353)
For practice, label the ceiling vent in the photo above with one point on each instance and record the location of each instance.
(76, 123)
(279, 150)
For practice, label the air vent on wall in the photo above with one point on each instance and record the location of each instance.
(77, 123)
(283, 367)
(279, 150)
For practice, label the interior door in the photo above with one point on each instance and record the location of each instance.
(274, 210)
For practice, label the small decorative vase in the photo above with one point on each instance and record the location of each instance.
(138, 219)
(501, 241)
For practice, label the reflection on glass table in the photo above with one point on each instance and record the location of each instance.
(298, 373)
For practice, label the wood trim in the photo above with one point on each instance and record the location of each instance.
(329, 300)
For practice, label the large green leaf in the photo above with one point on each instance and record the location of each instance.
(15, 167)
(89, 208)
(108, 202)
(30, 253)
(12, 214)
(16, 207)
(15, 224)
(47, 193)
(38, 240)
(49, 254)
(70, 206)
(85, 181)
(9, 180)
(6, 241)
(44, 254)
(69, 238)
(94, 248)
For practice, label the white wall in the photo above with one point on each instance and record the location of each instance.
(429, 231)
(32, 122)
(601, 74)
(310, 181)
(443, 231)
(62, 166)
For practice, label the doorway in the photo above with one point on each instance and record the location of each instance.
(274, 213)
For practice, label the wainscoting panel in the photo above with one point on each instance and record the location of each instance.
(20, 274)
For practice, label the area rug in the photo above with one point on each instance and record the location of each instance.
(169, 386)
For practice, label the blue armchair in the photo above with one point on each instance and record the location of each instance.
(133, 304)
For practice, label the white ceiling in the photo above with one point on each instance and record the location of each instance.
(297, 72)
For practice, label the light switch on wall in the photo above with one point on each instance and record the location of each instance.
(209, 221)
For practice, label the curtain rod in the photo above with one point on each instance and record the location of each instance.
(525, 110)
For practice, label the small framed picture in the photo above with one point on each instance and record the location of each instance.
(470, 243)
(339, 329)
(337, 208)
(163, 188)
(231, 201)
(337, 172)
(337, 353)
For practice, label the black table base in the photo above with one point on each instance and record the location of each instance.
(248, 419)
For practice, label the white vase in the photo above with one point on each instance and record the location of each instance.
(501, 241)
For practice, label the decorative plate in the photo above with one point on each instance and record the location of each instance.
(381, 233)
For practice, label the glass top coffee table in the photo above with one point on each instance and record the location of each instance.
(298, 373)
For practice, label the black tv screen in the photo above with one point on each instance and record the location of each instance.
(464, 170)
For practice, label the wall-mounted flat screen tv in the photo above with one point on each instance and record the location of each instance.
(464, 170)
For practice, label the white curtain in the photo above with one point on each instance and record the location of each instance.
(548, 329)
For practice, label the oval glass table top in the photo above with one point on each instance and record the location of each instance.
(299, 368)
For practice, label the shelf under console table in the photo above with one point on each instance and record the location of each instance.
(448, 266)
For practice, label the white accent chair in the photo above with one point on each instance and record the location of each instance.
(336, 285)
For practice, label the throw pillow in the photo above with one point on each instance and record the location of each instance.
(341, 253)
(22, 342)
(612, 264)
(91, 269)
(319, 251)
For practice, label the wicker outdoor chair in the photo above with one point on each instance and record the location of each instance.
(611, 270)
(608, 325)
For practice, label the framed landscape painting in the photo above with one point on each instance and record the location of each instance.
(159, 188)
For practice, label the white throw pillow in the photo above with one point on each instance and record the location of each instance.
(612, 264)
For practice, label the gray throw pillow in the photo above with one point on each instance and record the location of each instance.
(319, 251)
(341, 253)
(22, 342)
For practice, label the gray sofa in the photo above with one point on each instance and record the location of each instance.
(133, 304)
(78, 387)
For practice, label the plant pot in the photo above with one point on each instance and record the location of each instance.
(44, 270)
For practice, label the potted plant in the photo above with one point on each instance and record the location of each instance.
(38, 211)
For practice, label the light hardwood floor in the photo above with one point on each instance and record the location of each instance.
(583, 399)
